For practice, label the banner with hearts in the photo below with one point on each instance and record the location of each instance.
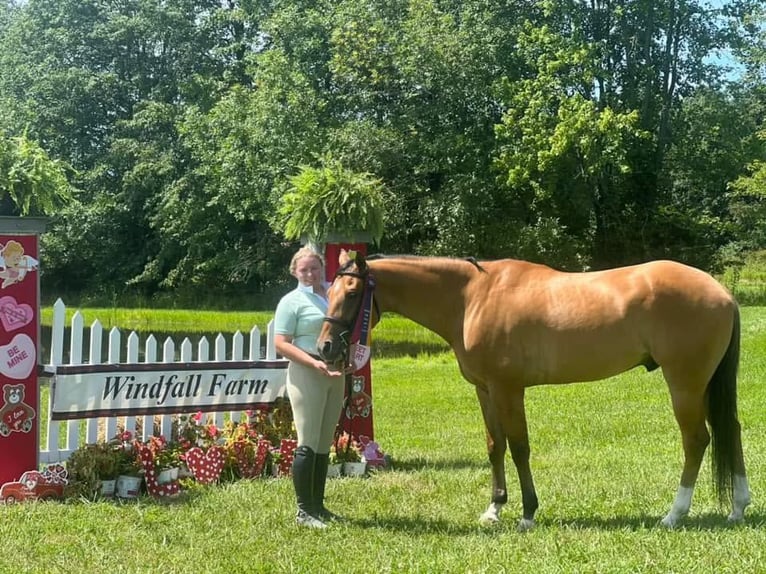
(205, 466)
(18, 358)
(14, 315)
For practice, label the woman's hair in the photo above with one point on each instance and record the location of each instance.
(304, 252)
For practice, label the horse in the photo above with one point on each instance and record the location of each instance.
(514, 324)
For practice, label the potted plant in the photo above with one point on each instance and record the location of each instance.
(166, 458)
(130, 469)
(331, 201)
(92, 470)
(348, 451)
(335, 466)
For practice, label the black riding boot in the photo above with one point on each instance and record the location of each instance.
(321, 462)
(303, 481)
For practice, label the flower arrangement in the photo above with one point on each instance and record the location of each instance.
(193, 430)
(246, 450)
(128, 461)
(259, 445)
(166, 455)
(345, 448)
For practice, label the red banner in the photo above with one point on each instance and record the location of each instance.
(356, 418)
(19, 328)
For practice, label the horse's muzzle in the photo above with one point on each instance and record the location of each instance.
(331, 352)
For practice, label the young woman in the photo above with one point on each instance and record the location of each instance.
(316, 392)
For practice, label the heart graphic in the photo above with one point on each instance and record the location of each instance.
(14, 315)
(150, 475)
(206, 467)
(18, 358)
(251, 459)
(287, 448)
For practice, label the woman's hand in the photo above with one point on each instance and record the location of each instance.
(322, 367)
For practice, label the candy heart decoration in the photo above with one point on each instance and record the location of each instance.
(14, 315)
(18, 358)
(206, 467)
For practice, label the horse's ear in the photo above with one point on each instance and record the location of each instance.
(361, 263)
(343, 257)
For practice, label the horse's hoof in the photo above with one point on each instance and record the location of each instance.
(669, 522)
(488, 519)
(736, 518)
(525, 524)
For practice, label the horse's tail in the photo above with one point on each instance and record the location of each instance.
(722, 416)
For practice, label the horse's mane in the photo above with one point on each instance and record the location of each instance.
(471, 260)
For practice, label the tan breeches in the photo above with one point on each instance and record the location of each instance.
(316, 401)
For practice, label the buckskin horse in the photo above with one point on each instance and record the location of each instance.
(514, 324)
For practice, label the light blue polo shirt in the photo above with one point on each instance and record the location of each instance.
(300, 314)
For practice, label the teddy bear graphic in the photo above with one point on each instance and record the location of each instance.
(15, 414)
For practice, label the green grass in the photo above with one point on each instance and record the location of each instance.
(606, 458)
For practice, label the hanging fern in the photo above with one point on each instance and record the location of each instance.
(332, 201)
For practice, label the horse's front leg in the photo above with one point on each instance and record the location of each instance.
(496, 451)
(512, 415)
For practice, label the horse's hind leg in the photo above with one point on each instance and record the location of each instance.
(689, 410)
(496, 452)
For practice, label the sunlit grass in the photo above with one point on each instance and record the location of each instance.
(606, 459)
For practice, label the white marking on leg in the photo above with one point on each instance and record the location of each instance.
(491, 515)
(680, 508)
(741, 498)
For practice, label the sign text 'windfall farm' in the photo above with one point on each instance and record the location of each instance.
(84, 391)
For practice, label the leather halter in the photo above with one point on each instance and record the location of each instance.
(348, 326)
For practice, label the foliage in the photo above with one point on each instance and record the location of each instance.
(345, 448)
(91, 464)
(35, 183)
(584, 134)
(332, 201)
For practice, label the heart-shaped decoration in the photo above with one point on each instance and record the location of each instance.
(14, 315)
(251, 459)
(206, 467)
(18, 358)
(287, 448)
(150, 475)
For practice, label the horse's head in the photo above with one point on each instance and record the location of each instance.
(345, 298)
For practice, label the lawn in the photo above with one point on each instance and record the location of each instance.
(606, 458)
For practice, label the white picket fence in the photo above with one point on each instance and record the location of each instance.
(99, 428)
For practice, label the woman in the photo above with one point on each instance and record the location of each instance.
(316, 392)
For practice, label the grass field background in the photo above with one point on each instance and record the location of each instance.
(606, 458)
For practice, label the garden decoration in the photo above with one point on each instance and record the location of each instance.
(19, 360)
(36, 485)
(251, 458)
(151, 476)
(205, 465)
(371, 453)
(514, 324)
(287, 448)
